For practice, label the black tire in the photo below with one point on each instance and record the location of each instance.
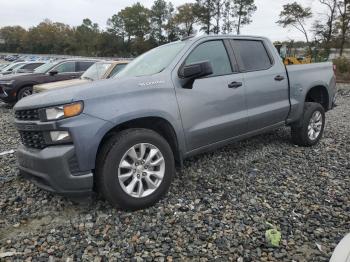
(299, 130)
(23, 92)
(109, 157)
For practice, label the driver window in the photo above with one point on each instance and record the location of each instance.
(214, 52)
(68, 67)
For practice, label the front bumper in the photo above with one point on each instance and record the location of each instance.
(7, 94)
(52, 169)
(334, 100)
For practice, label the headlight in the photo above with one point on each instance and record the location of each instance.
(64, 111)
(6, 82)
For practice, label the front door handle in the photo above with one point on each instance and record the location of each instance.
(235, 84)
(279, 78)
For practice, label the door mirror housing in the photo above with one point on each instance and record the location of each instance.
(197, 70)
(189, 73)
(53, 72)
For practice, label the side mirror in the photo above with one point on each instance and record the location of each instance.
(191, 72)
(53, 72)
(196, 70)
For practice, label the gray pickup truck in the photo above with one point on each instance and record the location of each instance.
(124, 136)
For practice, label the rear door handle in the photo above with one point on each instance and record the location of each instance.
(279, 78)
(235, 84)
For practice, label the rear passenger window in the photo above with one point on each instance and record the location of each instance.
(214, 52)
(66, 67)
(31, 66)
(83, 66)
(253, 54)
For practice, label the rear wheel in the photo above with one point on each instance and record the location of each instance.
(135, 168)
(309, 130)
(24, 92)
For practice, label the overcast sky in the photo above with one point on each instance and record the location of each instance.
(28, 13)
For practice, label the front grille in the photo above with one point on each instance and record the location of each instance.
(33, 139)
(27, 115)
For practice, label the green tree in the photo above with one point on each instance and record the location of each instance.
(331, 17)
(159, 17)
(132, 26)
(86, 37)
(295, 15)
(109, 44)
(186, 18)
(244, 10)
(206, 11)
(13, 37)
(171, 27)
(116, 30)
(50, 38)
(116, 26)
(136, 20)
(218, 11)
(344, 22)
(228, 17)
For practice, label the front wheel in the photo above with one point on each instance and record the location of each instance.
(24, 92)
(309, 130)
(135, 168)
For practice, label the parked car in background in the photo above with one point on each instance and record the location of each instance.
(123, 136)
(29, 67)
(11, 58)
(99, 70)
(2, 66)
(10, 67)
(15, 87)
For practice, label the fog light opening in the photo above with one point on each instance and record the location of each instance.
(59, 136)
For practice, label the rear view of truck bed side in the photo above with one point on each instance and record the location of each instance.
(310, 83)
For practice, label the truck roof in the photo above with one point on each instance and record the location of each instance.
(194, 38)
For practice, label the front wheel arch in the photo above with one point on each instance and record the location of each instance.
(160, 125)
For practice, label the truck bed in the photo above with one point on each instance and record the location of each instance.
(304, 77)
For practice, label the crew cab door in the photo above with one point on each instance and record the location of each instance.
(214, 109)
(266, 83)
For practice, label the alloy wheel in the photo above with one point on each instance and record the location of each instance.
(141, 170)
(315, 125)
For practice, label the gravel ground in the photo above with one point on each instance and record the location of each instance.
(217, 208)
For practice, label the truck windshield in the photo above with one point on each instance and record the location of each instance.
(152, 62)
(96, 71)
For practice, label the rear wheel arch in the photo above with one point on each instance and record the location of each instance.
(318, 94)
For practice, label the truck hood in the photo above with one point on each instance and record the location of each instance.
(54, 85)
(97, 90)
